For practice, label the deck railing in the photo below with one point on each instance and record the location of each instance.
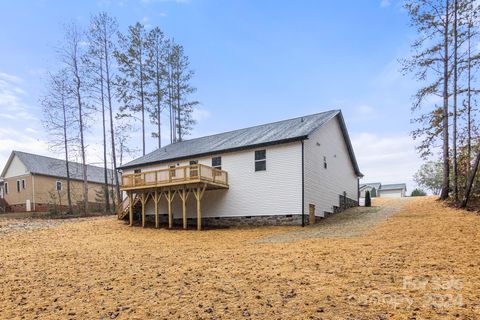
(178, 175)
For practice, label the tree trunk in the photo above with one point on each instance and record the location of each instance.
(455, 80)
(471, 179)
(469, 101)
(105, 169)
(159, 102)
(110, 107)
(142, 100)
(446, 159)
(67, 164)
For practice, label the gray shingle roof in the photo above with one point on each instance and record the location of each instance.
(394, 186)
(261, 135)
(47, 166)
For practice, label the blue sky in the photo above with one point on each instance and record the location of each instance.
(255, 62)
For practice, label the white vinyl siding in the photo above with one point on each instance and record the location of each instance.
(328, 169)
(276, 191)
(15, 169)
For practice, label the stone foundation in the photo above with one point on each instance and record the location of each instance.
(344, 204)
(223, 222)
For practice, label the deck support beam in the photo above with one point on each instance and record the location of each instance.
(184, 196)
(130, 209)
(198, 193)
(143, 200)
(155, 203)
(170, 195)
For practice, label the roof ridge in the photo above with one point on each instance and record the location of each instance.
(255, 126)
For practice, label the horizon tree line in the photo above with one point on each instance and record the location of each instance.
(139, 76)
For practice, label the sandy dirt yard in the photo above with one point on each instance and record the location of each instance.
(411, 259)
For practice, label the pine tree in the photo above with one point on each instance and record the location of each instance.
(133, 79)
(157, 51)
(430, 63)
(180, 89)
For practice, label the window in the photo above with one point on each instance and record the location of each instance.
(6, 188)
(172, 170)
(260, 160)
(217, 162)
(193, 170)
(137, 170)
(18, 185)
(58, 186)
(325, 162)
(23, 184)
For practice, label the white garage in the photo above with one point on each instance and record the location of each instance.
(392, 190)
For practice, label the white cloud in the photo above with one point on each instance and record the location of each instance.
(387, 159)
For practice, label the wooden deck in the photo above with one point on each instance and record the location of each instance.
(179, 176)
(167, 184)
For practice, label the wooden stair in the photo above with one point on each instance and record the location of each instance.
(123, 208)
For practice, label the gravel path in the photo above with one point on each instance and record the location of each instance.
(354, 222)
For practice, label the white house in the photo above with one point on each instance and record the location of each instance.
(377, 189)
(286, 172)
(370, 187)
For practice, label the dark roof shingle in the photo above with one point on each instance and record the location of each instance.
(47, 166)
(266, 134)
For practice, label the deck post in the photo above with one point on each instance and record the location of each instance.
(184, 197)
(130, 209)
(143, 199)
(155, 202)
(198, 192)
(170, 195)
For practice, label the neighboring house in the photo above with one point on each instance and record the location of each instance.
(377, 189)
(286, 172)
(33, 182)
(372, 187)
(397, 190)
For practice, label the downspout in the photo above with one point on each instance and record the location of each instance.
(358, 191)
(33, 191)
(303, 186)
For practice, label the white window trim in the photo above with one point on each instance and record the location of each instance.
(56, 186)
(260, 160)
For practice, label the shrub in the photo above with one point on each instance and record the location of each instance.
(418, 193)
(368, 201)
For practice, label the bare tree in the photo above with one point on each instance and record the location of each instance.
(59, 120)
(72, 54)
(95, 60)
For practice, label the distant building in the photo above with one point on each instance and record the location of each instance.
(286, 172)
(33, 182)
(377, 189)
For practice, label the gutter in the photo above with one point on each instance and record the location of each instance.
(33, 192)
(303, 185)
